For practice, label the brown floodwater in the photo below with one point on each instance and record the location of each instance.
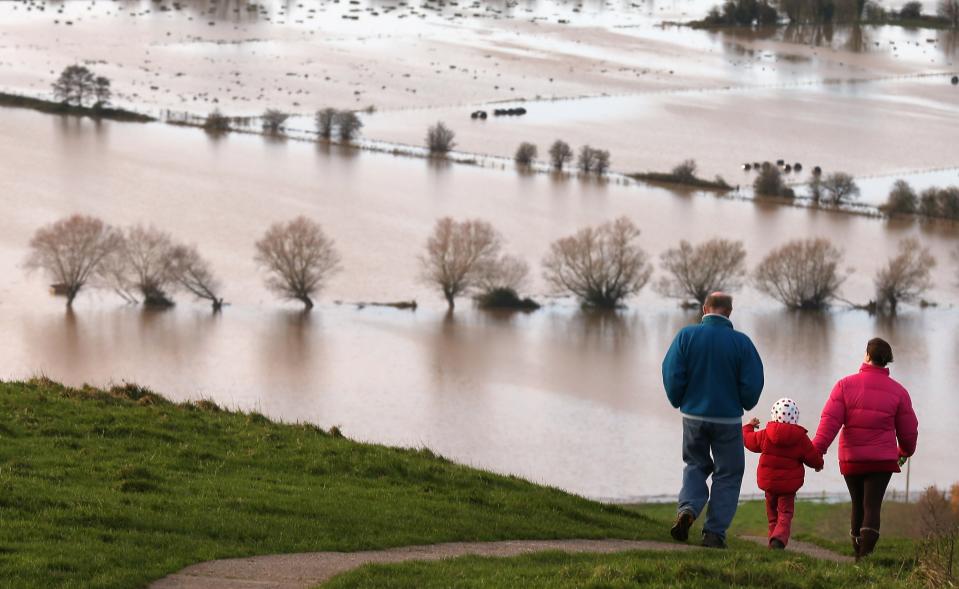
(558, 396)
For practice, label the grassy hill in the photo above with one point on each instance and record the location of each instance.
(116, 488)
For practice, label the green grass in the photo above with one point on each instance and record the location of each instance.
(734, 568)
(60, 108)
(718, 185)
(744, 565)
(116, 488)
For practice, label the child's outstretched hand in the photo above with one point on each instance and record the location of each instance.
(754, 422)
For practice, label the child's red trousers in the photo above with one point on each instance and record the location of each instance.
(779, 511)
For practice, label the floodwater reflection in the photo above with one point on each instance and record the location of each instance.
(562, 396)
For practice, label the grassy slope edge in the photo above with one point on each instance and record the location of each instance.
(115, 488)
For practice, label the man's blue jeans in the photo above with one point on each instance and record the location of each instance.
(715, 449)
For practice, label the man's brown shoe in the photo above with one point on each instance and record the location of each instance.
(680, 529)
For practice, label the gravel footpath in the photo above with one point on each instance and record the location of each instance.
(307, 570)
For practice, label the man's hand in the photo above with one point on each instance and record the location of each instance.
(754, 422)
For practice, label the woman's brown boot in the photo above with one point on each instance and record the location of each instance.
(856, 543)
(868, 542)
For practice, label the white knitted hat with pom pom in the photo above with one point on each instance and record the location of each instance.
(785, 411)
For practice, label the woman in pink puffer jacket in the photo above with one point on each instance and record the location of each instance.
(879, 431)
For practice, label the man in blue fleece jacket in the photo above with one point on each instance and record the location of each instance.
(712, 373)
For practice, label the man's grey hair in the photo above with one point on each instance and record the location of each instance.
(719, 302)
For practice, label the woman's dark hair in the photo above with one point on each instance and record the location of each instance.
(879, 351)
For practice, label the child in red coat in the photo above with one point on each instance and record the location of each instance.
(784, 448)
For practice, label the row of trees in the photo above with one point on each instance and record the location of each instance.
(836, 188)
(600, 266)
(440, 139)
(764, 13)
(942, 203)
(145, 264)
(138, 263)
(604, 265)
(588, 160)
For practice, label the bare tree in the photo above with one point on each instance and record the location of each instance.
(803, 274)
(216, 122)
(948, 10)
(458, 255)
(273, 120)
(593, 160)
(298, 257)
(525, 154)
(586, 161)
(325, 119)
(348, 124)
(839, 188)
(929, 203)
(113, 274)
(902, 199)
(147, 260)
(815, 188)
(601, 266)
(949, 202)
(714, 265)
(686, 171)
(75, 85)
(439, 139)
(560, 154)
(508, 272)
(769, 182)
(601, 163)
(905, 278)
(101, 91)
(192, 273)
(70, 251)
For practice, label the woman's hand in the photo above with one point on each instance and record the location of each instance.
(754, 422)
(902, 460)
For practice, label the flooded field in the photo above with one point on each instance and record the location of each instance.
(865, 100)
(558, 396)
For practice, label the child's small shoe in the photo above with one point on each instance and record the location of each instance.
(776, 544)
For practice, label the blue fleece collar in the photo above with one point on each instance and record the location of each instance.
(717, 320)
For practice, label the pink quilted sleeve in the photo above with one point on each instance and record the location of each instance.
(907, 426)
(833, 417)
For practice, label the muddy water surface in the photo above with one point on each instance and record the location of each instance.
(558, 396)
